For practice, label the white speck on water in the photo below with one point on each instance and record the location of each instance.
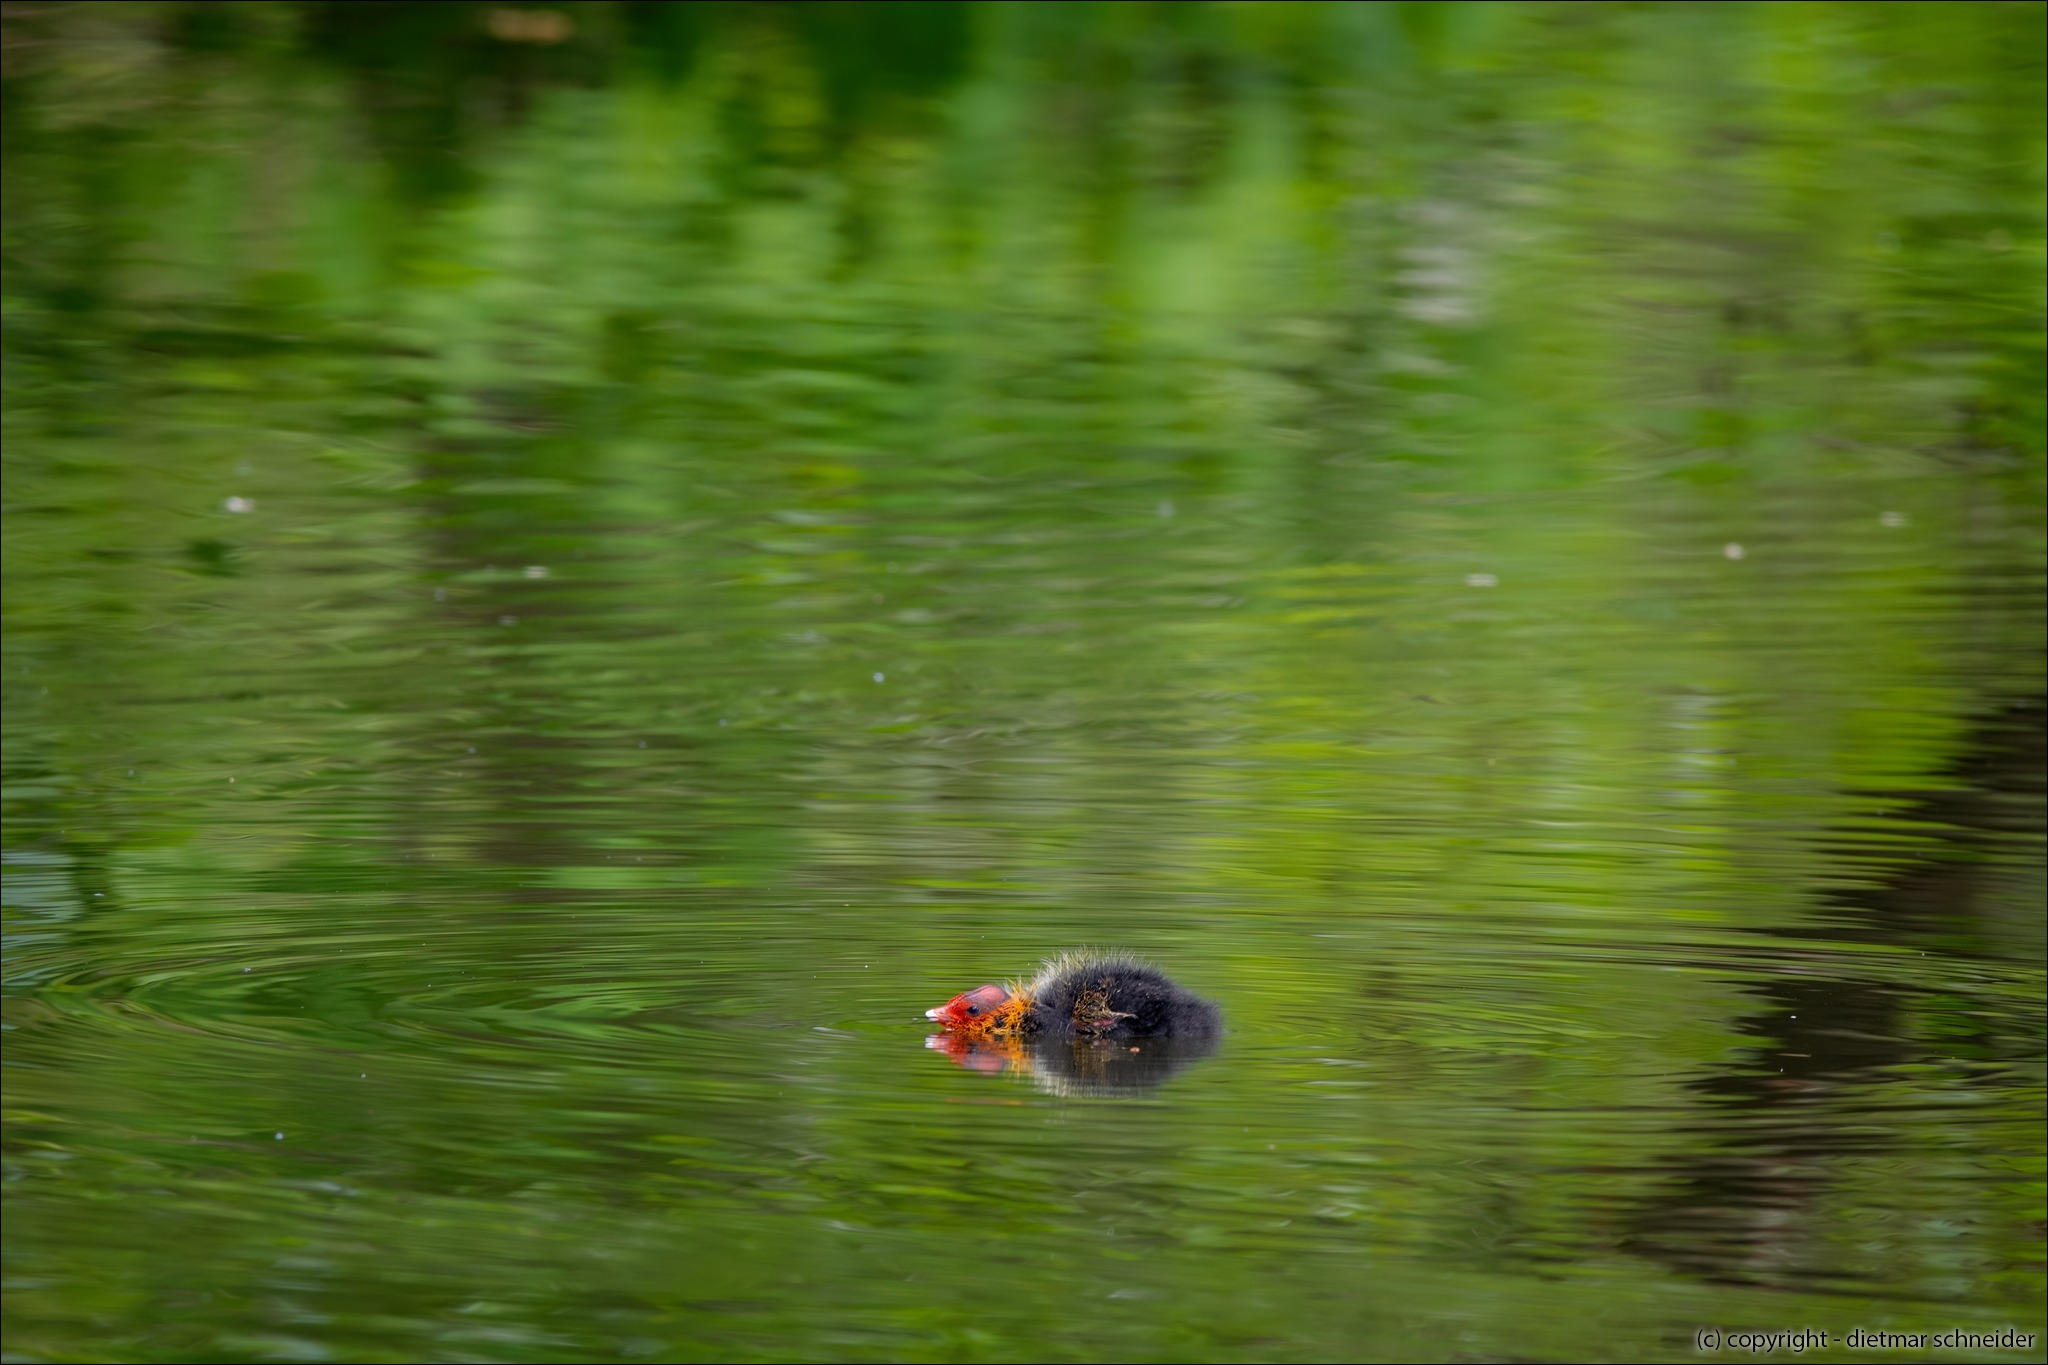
(472, 748)
(1892, 518)
(1732, 551)
(535, 571)
(643, 743)
(879, 677)
(239, 505)
(508, 620)
(280, 1137)
(1166, 509)
(440, 594)
(1481, 580)
(248, 969)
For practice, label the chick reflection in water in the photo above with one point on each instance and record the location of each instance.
(1077, 1066)
(1087, 1023)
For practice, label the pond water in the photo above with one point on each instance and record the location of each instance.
(569, 572)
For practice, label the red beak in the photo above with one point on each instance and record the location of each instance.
(965, 1008)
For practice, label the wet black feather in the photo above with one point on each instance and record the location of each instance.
(1116, 997)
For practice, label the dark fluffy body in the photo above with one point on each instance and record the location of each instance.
(1113, 997)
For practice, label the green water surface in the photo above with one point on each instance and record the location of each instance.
(570, 570)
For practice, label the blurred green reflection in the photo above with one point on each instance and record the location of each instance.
(570, 568)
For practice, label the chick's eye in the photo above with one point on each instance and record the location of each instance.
(974, 1009)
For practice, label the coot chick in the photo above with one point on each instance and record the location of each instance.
(1083, 996)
